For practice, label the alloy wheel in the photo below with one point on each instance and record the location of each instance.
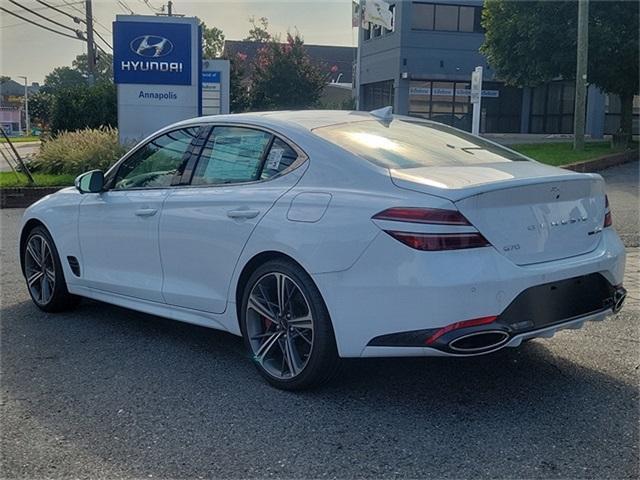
(279, 325)
(40, 269)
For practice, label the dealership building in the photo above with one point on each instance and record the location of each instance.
(422, 67)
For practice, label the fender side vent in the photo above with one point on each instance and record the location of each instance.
(75, 266)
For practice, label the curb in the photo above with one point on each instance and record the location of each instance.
(603, 162)
(22, 197)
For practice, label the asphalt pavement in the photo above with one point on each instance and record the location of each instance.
(104, 392)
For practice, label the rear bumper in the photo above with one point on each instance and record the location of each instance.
(393, 289)
(514, 341)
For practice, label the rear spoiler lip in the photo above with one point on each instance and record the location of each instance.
(457, 194)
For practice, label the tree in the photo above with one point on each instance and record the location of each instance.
(62, 78)
(284, 77)
(83, 106)
(40, 104)
(532, 42)
(212, 41)
(104, 66)
(259, 31)
(238, 93)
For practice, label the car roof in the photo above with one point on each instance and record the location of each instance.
(307, 119)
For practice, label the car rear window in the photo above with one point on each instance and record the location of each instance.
(403, 144)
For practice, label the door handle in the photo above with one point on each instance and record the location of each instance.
(146, 212)
(243, 213)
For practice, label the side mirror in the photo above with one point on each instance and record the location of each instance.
(90, 182)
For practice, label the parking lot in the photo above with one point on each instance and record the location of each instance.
(105, 392)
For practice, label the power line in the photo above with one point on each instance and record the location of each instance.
(75, 19)
(151, 6)
(102, 38)
(44, 17)
(42, 26)
(126, 7)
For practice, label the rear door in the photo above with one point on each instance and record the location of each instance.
(239, 175)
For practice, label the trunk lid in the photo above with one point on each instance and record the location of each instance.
(530, 213)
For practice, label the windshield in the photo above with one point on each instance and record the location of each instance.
(407, 144)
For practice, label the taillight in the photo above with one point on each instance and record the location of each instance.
(458, 325)
(432, 241)
(435, 216)
(608, 221)
(440, 241)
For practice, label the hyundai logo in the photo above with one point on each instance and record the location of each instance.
(151, 46)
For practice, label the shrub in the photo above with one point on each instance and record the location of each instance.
(83, 106)
(77, 152)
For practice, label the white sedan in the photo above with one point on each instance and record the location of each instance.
(317, 235)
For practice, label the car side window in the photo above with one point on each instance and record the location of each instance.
(155, 164)
(231, 155)
(281, 156)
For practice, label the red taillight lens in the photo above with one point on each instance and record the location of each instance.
(436, 216)
(432, 216)
(608, 221)
(458, 325)
(440, 241)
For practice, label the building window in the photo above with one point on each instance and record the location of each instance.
(552, 108)
(377, 95)
(375, 31)
(446, 18)
(422, 16)
(450, 103)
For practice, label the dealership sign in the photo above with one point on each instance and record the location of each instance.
(157, 69)
(152, 53)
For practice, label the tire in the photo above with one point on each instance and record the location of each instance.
(304, 355)
(49, 289)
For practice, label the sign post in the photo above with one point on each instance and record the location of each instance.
(157, 70)
(476, 97)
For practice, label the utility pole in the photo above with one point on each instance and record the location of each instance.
(26, 104)
(581, 75)
(91, 49)
(169, 8)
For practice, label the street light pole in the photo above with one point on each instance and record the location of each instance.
(26, 104)
(581, 75)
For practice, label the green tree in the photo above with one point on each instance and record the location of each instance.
(212, 41)
(62, 78)
(84, 106)
(40, 104)
(532, 42)
(284, 77)
(259, 31)
(104, 66)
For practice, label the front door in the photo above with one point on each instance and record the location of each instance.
(118, 228)
(204, 227)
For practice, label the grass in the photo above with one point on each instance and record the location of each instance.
(562, 153)
(30, 138)
(9, 180)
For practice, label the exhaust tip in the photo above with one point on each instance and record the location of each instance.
(619, 297)
(479, 341)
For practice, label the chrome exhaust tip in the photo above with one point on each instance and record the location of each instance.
(619, 297)
(479, 341)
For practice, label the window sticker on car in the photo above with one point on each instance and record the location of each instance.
(273, 160)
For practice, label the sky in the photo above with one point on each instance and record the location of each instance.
(29, 50)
